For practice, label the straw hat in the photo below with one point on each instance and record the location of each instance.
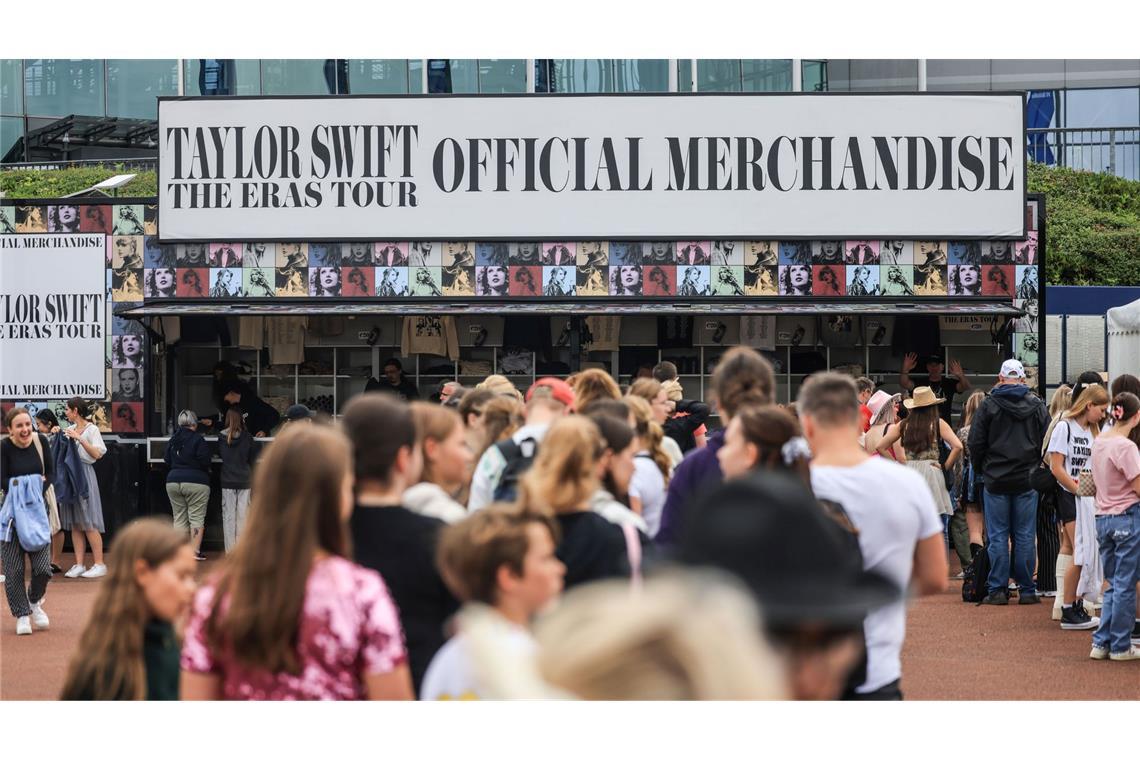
(923, 396)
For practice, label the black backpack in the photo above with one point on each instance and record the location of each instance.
(519, 457)
(974, 577)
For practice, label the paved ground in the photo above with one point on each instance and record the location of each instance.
(953, 651)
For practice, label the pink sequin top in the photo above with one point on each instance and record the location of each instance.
(349, 628)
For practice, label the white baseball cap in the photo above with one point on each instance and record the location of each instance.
(1012, 368)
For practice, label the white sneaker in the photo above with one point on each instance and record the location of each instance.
(39, 617)
(23, 626)
(1132, 654)
(1098, 653)
(75, 571)
(96, 571)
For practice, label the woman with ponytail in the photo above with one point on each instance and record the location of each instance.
(1116, 471)
(652, 466)
(765, 438)
(129, 649)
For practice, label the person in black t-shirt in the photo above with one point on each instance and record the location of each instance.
(387, 537)
(944, 386)
(562, 480)
(395, 381)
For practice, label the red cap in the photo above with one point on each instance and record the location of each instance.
(560, 390)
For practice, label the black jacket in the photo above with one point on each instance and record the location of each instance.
(681, 429)
(1005, 438)
(237, 460)
(188, 455)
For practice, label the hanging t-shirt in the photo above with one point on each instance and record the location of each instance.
(893, 510)
(251, 332)
(1075, 443)
(648, 485)
(605, 333)
(758, 331)
(286, 337)
(429, 335)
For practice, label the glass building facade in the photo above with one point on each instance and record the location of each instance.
(1065, 94)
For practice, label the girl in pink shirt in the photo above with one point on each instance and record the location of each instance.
(1116, 472)
(300, 621)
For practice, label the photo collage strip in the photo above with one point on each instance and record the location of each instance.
(139, 268)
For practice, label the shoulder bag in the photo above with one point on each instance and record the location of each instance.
(1042, 478)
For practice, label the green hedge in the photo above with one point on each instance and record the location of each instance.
(1092, 227)
(1093, 220)
(54, 183)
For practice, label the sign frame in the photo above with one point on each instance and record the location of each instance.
(508, 237)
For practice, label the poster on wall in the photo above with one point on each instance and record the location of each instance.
(52, 295)
(689, 167)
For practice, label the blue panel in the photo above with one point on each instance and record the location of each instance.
(1071, 299)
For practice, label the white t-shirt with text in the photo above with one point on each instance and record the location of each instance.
(1075, 443)
(892, 508)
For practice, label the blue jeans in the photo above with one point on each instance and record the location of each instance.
(1011, 515)
(1119, 539)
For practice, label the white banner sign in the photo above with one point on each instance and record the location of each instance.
(592, 166)
(52, 292)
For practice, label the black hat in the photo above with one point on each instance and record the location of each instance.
(935, 359)
(801, 565)
(298, 412)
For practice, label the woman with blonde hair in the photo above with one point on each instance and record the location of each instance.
(1062, 397)
(657, 396)
(1069, 452)
(652, 466)
(501, 417)
(446, 463)
(500, 385)
(591, 385)
(970, 481)
(687, 635)
(301, 621)
(129, 649)
(562, 481)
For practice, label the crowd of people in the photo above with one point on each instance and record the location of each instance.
(583, 539)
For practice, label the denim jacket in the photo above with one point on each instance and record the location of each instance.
(24, 511)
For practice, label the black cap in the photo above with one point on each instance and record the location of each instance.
(298, 412)
(935, 359)
(801, 565)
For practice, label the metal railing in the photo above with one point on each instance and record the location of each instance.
(143, 164)
(1105, 150)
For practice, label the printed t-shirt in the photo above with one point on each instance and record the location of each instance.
(1075, 443)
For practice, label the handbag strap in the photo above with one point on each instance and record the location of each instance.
(633, 552)
(40, 451)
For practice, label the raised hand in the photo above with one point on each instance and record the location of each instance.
(910, 361)
(956, 368)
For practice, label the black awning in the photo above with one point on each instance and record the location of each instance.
(586, 306)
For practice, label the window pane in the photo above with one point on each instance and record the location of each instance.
(11, 130)
(889, 75)
(502, 75)
(1102, 108)
(416, 75)
(378, 76)
(685, 74)
(718, 76)
(133, 85)
(767, 75)
(1101, 73)
(216, 76)
(1027, 74)
(958, 74)
(64, 86)
(11, 91)
(814, 76)
(641, 75)
(281, 76)
(578, 75)
(447, 75)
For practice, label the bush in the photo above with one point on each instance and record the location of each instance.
(55, 183)
(1092, 226)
